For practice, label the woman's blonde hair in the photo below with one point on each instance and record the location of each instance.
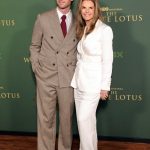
(80, 23)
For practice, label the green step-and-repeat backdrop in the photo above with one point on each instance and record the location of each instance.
(125, 114)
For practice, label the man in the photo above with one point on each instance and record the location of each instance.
(53, 59)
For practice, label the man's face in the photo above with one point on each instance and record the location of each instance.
(63, 4)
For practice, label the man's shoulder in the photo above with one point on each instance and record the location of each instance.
(48, 13)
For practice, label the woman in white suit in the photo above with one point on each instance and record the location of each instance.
(92, 77)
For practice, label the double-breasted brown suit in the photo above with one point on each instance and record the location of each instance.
(53, 60)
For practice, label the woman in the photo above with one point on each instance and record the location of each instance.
(92, 77)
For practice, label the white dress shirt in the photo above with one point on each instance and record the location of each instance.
(68, 17)
(94, 60)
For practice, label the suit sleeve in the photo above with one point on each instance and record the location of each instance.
(107, 58)
(36, 43)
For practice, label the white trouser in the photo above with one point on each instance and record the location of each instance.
(86, 105)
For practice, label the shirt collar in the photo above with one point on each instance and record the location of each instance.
(68, 15)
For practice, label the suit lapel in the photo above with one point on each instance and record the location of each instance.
(58, 31)
(56, 26)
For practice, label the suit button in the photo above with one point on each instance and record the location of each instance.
(53, 64)
(67, 65)
(57, 52)
(51, 37)
(74, 40)
(67, 53)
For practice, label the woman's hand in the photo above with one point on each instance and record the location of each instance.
(104, 94)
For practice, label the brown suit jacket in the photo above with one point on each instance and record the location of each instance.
(52, 56)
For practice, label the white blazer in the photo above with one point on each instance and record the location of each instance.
(94, 60)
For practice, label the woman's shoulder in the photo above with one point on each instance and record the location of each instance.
(103, 28)
(100, 24)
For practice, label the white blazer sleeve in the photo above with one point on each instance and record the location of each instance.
(107, 57)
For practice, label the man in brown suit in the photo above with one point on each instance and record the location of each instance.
(53, 59)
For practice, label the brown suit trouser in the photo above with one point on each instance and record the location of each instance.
(47, 98)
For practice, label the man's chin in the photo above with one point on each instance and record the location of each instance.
(63, 7)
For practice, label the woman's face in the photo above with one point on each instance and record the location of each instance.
(87, 10)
